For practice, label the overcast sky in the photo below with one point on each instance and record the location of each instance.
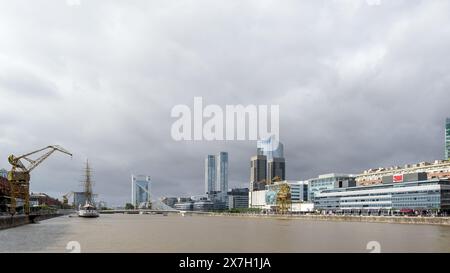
(360, 84)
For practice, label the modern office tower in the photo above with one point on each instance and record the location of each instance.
(447, 139)
(222, 172)
(140, 191)
(274, 151)
(210, 174)
(216, 177)
(258, 172)
(270, 147)
(276, 168)
(216, 173)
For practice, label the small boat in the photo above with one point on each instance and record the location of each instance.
(88, 211)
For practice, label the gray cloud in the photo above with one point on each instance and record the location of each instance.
(358, 86)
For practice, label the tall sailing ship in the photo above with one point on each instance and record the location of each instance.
(88, 209)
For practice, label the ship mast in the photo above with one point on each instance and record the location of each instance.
(88, 183)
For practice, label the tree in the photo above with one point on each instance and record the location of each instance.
(129, 206)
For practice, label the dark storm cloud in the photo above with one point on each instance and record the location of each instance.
(359, 86)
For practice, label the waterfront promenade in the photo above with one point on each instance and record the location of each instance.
(445, 221)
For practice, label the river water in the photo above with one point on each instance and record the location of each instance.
(175, 233)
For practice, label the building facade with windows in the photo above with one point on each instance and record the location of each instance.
(329, 182)
(222, 173)
(185, 206)
(258, 172)
(276, 168)
(210, 174)
(437, 169)
(238, 198)
(216, 175)
(273, 150)
(425, 195)
(299, 191)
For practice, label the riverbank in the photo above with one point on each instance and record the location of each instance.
(444, 221)
(20, 220)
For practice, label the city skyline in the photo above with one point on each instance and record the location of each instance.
(102, 84)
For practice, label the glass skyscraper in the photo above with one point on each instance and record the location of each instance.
(447, 139)
(270, 147)
(210, 174)
(222, 172)
(273, 150)
(140, 191)
(216, 174)
(258, 172)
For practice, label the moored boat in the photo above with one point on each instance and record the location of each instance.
(88, 211)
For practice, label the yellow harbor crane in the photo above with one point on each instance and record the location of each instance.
(284, 198)
(66, 198)
(19, 176)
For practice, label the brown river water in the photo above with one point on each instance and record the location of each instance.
(175, 233)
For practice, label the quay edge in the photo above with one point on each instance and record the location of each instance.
(20, 220)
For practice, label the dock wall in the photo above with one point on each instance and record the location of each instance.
(20, 220)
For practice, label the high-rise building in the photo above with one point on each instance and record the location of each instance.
(216, 176)
(270, 147)
(447, 139)
(222, 172)
(273, 149)
(276, 168)
(258, 172)
(210, 174)
(140, 191)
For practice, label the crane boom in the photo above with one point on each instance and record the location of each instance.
(19, 176)
(16, 163)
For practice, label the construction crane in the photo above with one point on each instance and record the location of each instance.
(19, 176)
(66, 198)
